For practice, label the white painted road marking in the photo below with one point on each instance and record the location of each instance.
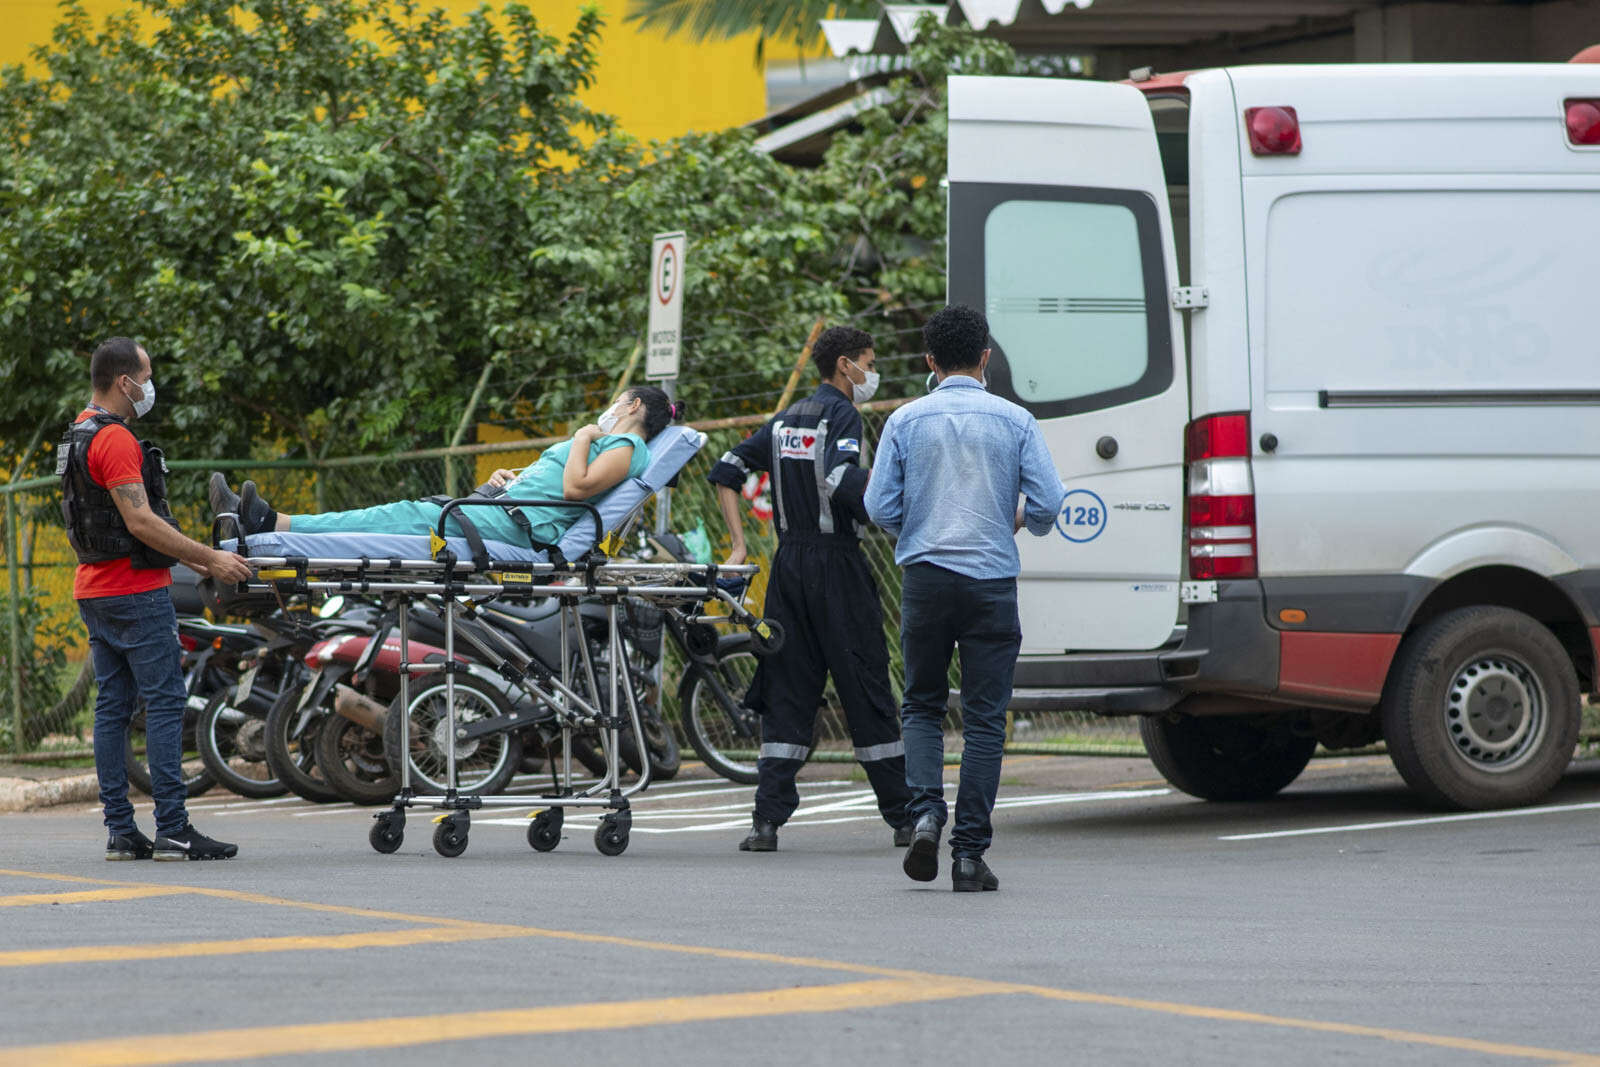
(1468, 816)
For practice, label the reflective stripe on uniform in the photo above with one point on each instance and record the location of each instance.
(777, 476)
(873, 753)
(733, 460)
(836, 476)
(824, 505)
(773, 750)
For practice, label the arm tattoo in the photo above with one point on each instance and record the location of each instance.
(132, 495)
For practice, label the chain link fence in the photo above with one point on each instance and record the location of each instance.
(46, 688)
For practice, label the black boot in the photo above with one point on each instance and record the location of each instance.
(224, 501)
(922, 857)
(903, 834)
(255, 514)
(969, 874)
(763, 836)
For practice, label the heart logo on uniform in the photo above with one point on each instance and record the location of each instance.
(808, 441)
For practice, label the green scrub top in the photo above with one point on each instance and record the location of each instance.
(543, 480)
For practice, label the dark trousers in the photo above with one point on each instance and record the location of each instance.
(940, 611)
(134, 642)
(823, 595)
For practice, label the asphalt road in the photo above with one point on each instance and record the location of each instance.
(1133, 925)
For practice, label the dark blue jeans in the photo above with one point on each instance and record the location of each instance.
(134, 642)
(941, 611)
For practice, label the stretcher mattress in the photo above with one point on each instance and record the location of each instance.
(670, 452)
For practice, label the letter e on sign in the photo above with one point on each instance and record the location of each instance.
(666, 305)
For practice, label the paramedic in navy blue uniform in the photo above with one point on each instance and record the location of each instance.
(819, 589)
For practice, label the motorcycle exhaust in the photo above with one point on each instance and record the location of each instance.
(359, 708)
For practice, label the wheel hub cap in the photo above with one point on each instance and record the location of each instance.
(441, 740)
(1494, 711)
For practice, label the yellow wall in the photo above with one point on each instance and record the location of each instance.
(658, 87)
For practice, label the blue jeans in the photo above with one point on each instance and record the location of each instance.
(941, 611)
(134, 642)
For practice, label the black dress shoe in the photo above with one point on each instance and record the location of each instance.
(922, 857)
(763, 837)
(902, 834)
(970, 874)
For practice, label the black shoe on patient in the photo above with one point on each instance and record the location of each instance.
(763, 836)
(224, 501)
(129, 846)
(922, 855)
(970, 874)
(255, 514)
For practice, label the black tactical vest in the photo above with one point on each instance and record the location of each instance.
(94, 525)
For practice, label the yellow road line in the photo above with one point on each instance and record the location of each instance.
(134, 892)
(367, 1034)
(446, 930)
(431, 935)
(1408, 1037)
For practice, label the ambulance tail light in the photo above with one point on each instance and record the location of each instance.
(1274, 131)
(1222, 499)
(1583, 122)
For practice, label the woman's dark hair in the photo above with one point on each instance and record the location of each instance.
(658, 410)
(956, 337)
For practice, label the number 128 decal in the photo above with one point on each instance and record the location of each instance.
(1083, 516)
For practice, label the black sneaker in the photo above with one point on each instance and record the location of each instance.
(131, 846)
(255, 514)
(191, 844)
(224, 501)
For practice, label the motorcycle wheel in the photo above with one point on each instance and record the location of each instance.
(294, 759)
(231, 744)
(197, 778)
(660, 741)
(717, 731)
(484, 765)
(353, 760)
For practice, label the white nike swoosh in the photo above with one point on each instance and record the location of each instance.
(181, 844)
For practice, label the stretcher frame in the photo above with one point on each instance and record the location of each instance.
(402, 582)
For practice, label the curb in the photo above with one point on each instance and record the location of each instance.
(22, 794)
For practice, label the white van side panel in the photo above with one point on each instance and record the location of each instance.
(1422, 340)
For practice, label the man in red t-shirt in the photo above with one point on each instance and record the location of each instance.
(115, 499)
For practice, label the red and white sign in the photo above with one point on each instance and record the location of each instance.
(666, 305)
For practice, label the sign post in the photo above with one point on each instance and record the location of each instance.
(665, 331)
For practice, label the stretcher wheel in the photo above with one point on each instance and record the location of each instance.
(700, 639)
(450, 836)
(611, 836)
(544, 831)
(769, 636)
(387, 832)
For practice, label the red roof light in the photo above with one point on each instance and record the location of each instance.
(1274, 131)
(1583, 122)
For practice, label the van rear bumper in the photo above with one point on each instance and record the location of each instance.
(1227, 647)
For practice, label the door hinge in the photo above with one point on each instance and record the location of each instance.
(1190, 297)
(1198, 592)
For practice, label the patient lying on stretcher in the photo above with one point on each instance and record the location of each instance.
(597, 458)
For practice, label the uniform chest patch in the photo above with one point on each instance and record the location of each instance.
(797, 444)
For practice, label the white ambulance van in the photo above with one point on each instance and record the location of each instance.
(1317, 352)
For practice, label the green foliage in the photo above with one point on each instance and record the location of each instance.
(325, 221)
(43, 661)
(718, 20)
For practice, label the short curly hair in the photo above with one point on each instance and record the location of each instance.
(837, 341)
(956, 337)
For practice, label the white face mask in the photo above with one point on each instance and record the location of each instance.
(861, 392)
(608, 421)
(142, 406)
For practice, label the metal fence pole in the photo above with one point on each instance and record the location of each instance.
(17, 743)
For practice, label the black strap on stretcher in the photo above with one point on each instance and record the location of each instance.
(474, 539)
(480, 554)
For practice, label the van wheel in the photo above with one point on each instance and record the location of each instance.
(1227, 757)
(1481, 709)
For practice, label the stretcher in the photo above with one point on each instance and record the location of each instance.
(461, 574)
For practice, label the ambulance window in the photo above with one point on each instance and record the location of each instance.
(1073, 283)
(1065, 297)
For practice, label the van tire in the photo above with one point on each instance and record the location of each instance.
(1443, 727)
(1227, 758)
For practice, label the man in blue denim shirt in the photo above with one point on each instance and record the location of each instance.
(949, 472)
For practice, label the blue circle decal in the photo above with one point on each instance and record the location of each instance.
(1083, 516)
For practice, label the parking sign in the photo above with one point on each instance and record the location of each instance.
(666, 305)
